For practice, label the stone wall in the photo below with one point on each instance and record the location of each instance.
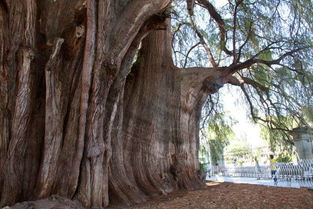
(303, 139)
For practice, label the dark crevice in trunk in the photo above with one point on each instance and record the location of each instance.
(101, 128)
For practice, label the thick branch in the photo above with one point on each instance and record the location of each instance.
(206, 80)
(220, 22)
(234, 30)
(154, 23)
(190, 6)
(239, 81)
(128, 25)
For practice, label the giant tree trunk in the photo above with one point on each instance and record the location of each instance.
(78, 119)
(154, 141)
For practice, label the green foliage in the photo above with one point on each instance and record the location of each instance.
(216, 149)
(279, 140)
(284, 157)
(216, 137)
(266, 55)
(308, 114)
(267, 30)
(203, 167)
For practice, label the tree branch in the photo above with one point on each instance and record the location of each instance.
(245, 42)
(234, 30)
(249, 102)
(212, 108)
(204, 44)
(129, 23)
(271, 124)
(244, 80)
(187, 55)
(277, 61)
(220, 22)
(248, 63)
(190, 6)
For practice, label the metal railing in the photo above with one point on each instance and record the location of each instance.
(301, 172)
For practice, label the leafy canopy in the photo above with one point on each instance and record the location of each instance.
(266, 45)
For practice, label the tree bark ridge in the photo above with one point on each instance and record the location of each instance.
(90, 116)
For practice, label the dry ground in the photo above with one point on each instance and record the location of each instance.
(232, 196)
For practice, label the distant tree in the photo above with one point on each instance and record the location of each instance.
(239, 152)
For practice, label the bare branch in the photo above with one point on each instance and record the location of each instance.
(271, 124)
(256, 118)
(211, 110)
(187, 55)
(173, 37)
(244, 43)
(179, 26)
(277, 61)
(248, 63)
(249, 102)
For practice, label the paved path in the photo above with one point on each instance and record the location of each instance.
(244, 180)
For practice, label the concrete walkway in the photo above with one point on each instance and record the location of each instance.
(245, 180)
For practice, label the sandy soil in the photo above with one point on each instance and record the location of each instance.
(232, 196)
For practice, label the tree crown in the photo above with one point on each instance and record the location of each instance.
(264, 48)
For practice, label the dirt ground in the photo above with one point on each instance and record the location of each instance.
(232, 196)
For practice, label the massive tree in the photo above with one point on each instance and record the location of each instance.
(92, 107)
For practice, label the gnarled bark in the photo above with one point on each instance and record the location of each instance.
(79, 119)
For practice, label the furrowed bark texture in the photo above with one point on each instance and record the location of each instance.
(79, 119)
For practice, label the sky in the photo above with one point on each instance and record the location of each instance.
(238, 110)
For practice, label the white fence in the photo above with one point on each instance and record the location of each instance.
(301, 172)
